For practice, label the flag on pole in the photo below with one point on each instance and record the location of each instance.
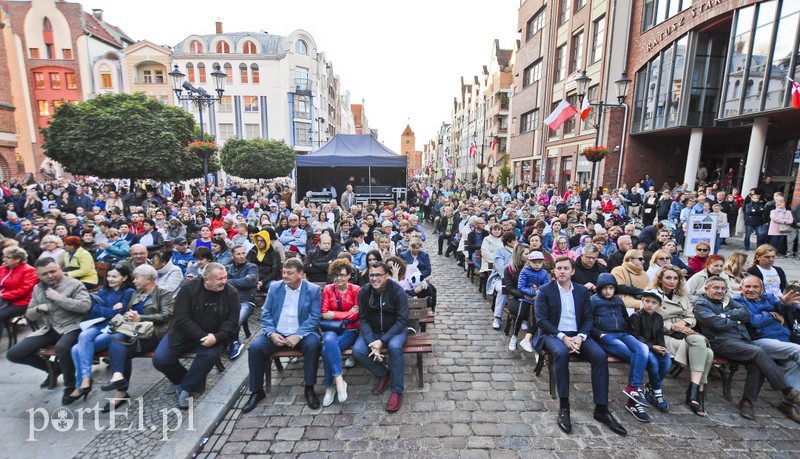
(795, 93)
(562, 113)
(585, 108)
(473, 150)
(495, 142)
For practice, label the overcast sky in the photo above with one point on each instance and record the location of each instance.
(404, 58)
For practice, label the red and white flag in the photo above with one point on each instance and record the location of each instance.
(473, 150)
(495, 142)
(562, 113)
(795, 93)
(585, 108)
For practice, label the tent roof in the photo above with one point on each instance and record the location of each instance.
(349, 150)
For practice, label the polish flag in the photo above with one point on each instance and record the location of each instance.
(562, 113)
(795, 93)
(585, 108)
(495, 142)
(473, 150)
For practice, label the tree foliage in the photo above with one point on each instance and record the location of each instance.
(257, 158)
(504, 176)
(124, 136)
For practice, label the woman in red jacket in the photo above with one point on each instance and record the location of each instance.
(339, 303)
(698, 262)
(17, 279)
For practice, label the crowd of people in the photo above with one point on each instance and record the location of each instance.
(600, 273)
(332, 278)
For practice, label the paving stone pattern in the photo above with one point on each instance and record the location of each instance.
(481, 400)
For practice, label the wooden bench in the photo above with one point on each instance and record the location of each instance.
(418, 311)
(417, 344)
(725, 368)
(51, 359)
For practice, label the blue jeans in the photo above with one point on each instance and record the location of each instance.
(788, 354)
(775, 241)
(657, 368)
(396, 359)
(748, 230)
(625, 347)
(121, 355)
(245, 309)
(90, 341)
(332, 346)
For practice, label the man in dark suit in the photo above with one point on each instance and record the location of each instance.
(564, 317)
(475, 238)
(448, 226)
(301, 301)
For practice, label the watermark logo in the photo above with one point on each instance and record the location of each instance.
(81, 419)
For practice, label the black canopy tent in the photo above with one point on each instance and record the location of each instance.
(362, 157)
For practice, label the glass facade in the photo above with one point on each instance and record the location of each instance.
(762, 53)
(658, 90)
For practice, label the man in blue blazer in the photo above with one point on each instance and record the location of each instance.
(564, 318)
(289, 318)
(415, 255)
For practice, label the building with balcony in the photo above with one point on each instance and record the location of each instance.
(147, 68)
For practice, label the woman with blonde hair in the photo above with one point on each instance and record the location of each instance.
(52, 247)
(631, 279)
(660, 258)
(736, 268)
(689, 347)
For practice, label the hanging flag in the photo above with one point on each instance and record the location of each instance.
(562, 113)
(585, 108)
(473, 150)
(495, 142)
(795, 93)
(449, 163)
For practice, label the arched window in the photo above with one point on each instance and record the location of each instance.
(243, 71)
(201, 71)
(190, 72)
(249, 47)
(195, 47)
(46, 25)
(301, 47)
(748, 89)
(254, 72)
(223, 47)
(228, 71)
(736, 86)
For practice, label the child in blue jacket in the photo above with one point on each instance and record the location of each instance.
(531, 278)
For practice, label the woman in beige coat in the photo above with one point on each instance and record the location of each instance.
(631, 279)
(689, 347)
(489, 246)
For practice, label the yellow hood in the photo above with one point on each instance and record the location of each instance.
(265, 236)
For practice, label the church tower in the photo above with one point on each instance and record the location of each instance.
(408, 142)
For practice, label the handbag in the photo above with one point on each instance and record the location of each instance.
(784, 228)
(336, 326)
(132, 330)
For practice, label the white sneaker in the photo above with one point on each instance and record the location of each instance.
(524, 325)
(350, 362)
(330, 393)
(512, 345)
(496, 324)
(526, 346)
(342, 394)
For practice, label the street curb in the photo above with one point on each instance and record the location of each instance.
(209, 412)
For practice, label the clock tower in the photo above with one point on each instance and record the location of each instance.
(407, 142)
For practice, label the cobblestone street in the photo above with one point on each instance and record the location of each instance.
(481, 400)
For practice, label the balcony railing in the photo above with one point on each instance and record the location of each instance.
(302, 115)
(302, 84)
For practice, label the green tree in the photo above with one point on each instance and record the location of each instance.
(257, 158)
(124, 135)
(504, 175)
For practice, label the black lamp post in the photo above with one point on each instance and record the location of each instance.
(200, 98)
(601, 107)
(481, 164)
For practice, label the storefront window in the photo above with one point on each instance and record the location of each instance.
(781, 58)
(706, 78)
(737, 61)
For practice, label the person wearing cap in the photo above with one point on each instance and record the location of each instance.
(578, 230)
(273, 212)
(532, 277)
(647, 326)
(181, 255)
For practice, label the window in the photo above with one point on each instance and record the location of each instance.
(147, 76)
(598, 37)
(569, 125)
(301, 47)
(201, 71)
(46, 25)
(195, 47)
(105, 80)
(560, 68)
(72, 81)
(57, 103)
(530, 121)
(657, 11)
(552, 133)
(55, 81)
(159, 74)
(229, 72)
(190, 72)
(38, 78)
(301, 79)
(223, 47)
(249, 47)
(250, 103)
(532, 74)
(535, 24)
(563, 11)
(576, 53)
(592, 94)
(67, 53)
(251, 131)
(302, 107)
(225, 131)
(302, 135)
(579, 4)
(243, 71)
(226, 104)
(50, 53)
(44, 108)
(34, 52)
(254, 72)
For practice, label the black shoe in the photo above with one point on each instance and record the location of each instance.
(68, 399)
(120, 385)
(691, 395)
(117, 403)
(311, 398)
(564, 421)
(46, 383)
(608, 419)
(746, 409)
(255, 397)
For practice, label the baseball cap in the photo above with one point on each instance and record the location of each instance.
(536, 255)
(653, 293)
(180, 240)
(273, 204)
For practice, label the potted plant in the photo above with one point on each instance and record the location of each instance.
(202, 149)
(595, 154)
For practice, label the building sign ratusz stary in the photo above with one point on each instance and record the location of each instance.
(678, 23)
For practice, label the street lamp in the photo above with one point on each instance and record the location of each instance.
(582, 83)
(320, 122)
(481, 164)
(201, 98)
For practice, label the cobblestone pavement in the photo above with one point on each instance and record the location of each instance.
(481, 400)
